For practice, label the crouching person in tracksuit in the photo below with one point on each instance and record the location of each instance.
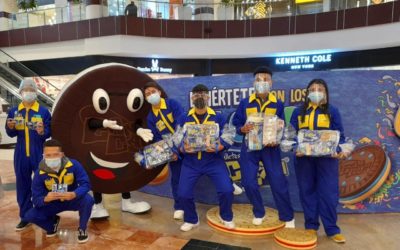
(210, 163)
(60, 184)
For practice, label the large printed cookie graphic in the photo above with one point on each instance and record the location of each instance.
(362, 173)
(112, 92)
(295, 238)
(397, 123)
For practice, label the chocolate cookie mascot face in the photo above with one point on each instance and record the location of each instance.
(112, 92)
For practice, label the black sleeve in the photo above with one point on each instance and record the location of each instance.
(95, 123)
(138, 124)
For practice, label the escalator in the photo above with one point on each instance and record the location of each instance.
(10, 78)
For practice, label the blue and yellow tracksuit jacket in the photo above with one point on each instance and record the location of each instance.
(163, 121)
(318, 177)
(269, 156)
(195, 165)
(73, 174)
(29, 149)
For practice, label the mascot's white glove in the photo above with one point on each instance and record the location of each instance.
(111, 124)
(145, 134)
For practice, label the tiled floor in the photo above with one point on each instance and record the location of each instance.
(157, 229)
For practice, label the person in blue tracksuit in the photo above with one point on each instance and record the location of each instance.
(210, 163)
(60, 184)
(262, 101)
(162, 120)
(318, 177)
(30, 123)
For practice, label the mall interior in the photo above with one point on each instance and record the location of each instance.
(71, 49)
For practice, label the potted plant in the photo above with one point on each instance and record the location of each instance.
(225, 10)
(26, 5)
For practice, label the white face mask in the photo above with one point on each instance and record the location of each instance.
(262, 87)
(53, 163)
(29, 96)
(316, 96)
(154, 99)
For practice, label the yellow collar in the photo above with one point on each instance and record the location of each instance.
(34, 107)
(271, 97)
(210, 111)
(163, 105)
(311, 105)
(67, 165)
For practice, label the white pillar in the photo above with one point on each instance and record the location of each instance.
(204, 10)
(61, 11)
(326, 5)
(95, 9)
(7, 9)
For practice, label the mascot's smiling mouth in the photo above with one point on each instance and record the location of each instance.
(108, 164)
(106, 174)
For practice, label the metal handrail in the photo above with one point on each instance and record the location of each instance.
(28, 69)
(70, 12)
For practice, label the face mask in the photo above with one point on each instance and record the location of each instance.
(29, 96)
(53, 163)
(199, 103)
(154, 98)
(316, 97)
(262, 87)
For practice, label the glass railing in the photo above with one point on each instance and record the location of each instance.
(189, 10)
(13, 71)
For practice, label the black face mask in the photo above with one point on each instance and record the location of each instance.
(199, 103)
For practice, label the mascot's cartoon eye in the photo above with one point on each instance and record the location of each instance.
(101, 101)
(135, 100)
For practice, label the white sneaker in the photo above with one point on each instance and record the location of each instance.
(178, 214)
(134, 207)
(237, 190)
(290, 224)
(258, 221)
(229, 224)
(99, 212)
(189, 226)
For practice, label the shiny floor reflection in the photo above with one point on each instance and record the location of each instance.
(157, 229)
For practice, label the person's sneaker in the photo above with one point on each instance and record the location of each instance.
(313, 231)
(82, 236)
(258, 221)
(178, 214)
(237, 190)
(22, 225)
(189, 226)
(53, 233)
(228, 224)
(290, 224)
(338, 238)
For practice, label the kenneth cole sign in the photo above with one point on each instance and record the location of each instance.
(303, 62)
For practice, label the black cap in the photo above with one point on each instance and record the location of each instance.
(262, 69)
(200, 88)
(152, 84)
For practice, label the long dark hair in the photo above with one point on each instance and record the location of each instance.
(324, 107)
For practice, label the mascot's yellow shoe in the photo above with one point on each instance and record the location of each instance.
(338, 238)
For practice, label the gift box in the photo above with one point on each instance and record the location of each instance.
(199, 137)
(272, 129)
(317, 142)
(254, 139)
(157, 154)
(59, 188)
